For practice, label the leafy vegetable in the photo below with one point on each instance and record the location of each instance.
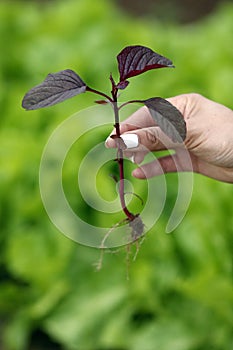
(55, 88)
(135, 60)
(168, 118)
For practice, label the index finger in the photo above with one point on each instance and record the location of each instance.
(138, 120)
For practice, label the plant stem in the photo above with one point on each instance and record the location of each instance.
(120, 158)
(99, 93)
(128, 102)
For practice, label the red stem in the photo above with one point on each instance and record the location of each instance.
(120, 158)
(127, 103)
(88, 88)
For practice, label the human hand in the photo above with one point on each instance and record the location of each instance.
(209, 140)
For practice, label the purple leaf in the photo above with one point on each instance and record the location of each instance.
(134, 60)
(168, 118)
(122, 84)
(55, 88)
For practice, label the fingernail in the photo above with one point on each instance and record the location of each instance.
(130, 140)
(132, 159)
(109, 143)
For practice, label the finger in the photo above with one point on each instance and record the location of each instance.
(151, 139)
(135, 157)
(155, 168)
(139, 119)
(146, 139)
(179, 162)
(142, 117)
(174, 163)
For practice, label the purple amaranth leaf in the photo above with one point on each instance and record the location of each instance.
(122, 84)
(55, 88)
(168, 118)
(134, 60)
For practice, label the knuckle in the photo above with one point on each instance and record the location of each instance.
(151, 137)
(194, 94)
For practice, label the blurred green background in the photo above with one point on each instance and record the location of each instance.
(179, 294)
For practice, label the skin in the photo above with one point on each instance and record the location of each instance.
(208, 143)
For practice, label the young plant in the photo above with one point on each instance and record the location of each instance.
(132, 61)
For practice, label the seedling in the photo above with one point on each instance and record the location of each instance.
(132, 61)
